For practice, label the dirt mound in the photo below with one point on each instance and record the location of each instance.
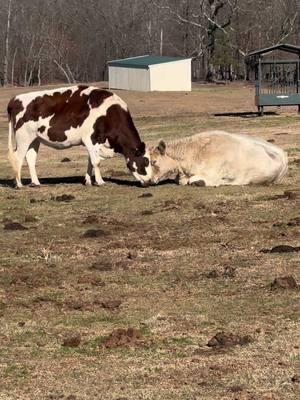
(228, 272)
(94, 233)
(110, 304)
(284, 282)
(145, 195)
(147, 212)
(123, 337)
(30, 218)
(90, 219)
(294, 222)
(71, 340)
(282, 248)
(14, 226)
(223, 339)
(63, 197)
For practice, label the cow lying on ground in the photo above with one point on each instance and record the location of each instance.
(72, 116)
(218, 158)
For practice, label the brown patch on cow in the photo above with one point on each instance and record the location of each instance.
(123, 337)
(14, 107)
(118, 128)
(42, 128)
(284, 282)
(223, 339)
(71, 340)
(69, 110)
(14, 226)
(282, 248)
(97, 97)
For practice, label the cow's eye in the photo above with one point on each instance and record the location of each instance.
(153, 162)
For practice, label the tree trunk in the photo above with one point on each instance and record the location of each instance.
(6, 51)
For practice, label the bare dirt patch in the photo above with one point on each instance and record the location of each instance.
(123, 337)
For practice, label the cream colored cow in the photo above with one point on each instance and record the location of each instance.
(217, 158)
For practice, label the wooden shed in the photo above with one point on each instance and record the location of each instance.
(151, 73)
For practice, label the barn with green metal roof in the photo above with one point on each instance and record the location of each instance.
(151, 73)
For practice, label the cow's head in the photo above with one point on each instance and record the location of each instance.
(162, 165)
(139, 164)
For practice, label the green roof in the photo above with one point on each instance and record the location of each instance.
(144, 62)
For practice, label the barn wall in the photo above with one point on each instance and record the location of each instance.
(129, 78)
(172, 76)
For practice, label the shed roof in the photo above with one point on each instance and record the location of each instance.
(284, 47)
(144, 62)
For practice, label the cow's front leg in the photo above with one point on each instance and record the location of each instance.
(98, 178)
(93, 162)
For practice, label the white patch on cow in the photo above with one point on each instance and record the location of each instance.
(144, 179)
(88, 90)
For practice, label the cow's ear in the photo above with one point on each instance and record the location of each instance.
(140, 149)
(161, 147)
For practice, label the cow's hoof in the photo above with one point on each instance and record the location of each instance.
(34, 185)
(200, 183)
(99, 183)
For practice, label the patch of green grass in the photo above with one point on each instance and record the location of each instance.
(183, 341)
(87, 320)
(15, 371)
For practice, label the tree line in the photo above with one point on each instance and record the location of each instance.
(71, 40)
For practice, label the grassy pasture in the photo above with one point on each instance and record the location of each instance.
(184, 264)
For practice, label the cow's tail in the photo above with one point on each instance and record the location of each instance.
(11, 152)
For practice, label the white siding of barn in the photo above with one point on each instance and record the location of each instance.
(129, 78)
(171, 76)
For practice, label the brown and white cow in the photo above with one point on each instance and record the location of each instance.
(217, 158)
(72, 116)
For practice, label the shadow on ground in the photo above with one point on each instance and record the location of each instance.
(75, 180)
(245, 114)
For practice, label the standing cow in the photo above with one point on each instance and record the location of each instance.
(72, 116)
(217, 158)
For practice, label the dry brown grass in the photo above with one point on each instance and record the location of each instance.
(185, 264)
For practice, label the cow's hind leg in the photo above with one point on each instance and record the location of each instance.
(89, 173)
(31, 156)
(19, 157)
